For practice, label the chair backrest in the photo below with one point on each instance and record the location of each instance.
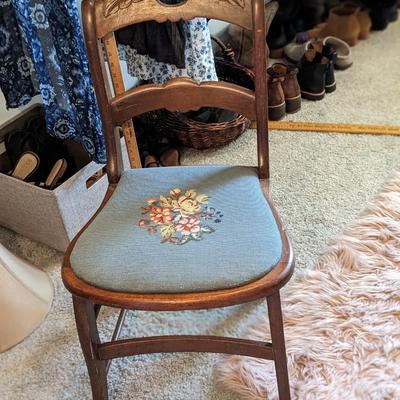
(101, 18)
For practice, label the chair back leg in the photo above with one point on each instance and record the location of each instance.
(85, 317)
(278, 345)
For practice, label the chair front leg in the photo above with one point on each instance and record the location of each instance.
(278, 345)
(85, 317)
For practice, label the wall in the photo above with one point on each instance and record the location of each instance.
(7, 115)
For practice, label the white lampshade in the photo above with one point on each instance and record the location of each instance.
(26, 294)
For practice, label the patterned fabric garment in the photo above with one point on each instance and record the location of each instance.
(199, 58)
(50, 29)
(16, 70)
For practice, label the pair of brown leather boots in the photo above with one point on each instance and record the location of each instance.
(283, 91)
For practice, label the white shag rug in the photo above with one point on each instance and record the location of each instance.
(342, 319)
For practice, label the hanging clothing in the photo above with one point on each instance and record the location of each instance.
(199, 58)
(163, 42)
(16, 69)
(50, 30)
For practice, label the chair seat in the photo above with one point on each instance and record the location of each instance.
(180, 230)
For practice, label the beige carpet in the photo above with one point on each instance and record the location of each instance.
(320, 183)
(342, 318)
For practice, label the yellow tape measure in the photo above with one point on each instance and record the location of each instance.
(334, 127)
(117, 79)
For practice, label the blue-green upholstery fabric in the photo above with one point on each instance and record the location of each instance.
(239, 245)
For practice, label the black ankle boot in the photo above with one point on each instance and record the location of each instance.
(329, 53)
(330, 80)
(312, 75)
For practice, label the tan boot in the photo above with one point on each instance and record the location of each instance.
(365, 24)
(363, 18)
(342, 23)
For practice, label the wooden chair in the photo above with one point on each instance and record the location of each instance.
(204, 259)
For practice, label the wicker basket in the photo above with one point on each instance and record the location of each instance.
(200, 135)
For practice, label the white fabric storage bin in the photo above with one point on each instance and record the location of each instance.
(52, 217)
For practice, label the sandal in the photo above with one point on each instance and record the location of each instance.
(26, 166)
(151, 162)
(171, 157)
(168, 153)
(56, 173)
(34, 138)
(18, 142)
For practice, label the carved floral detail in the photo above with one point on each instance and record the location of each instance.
(239, 3)
(114, 6)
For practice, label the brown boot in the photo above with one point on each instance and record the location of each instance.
(342, 23)
(290, 85)
(241, 40)
(276, 97)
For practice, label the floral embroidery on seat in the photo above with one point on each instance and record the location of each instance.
(181, 217)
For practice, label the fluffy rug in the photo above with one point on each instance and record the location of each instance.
(342, 319)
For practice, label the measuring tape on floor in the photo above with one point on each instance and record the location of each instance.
(128, 130)
(357, 129)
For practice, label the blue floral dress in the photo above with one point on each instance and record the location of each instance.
(199, 58)
(16, 80)
(42, 51)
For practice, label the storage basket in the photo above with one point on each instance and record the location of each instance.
(201, 135)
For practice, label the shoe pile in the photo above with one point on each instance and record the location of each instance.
(311, 78)
(346, 20)
(319, 51)
(316, 70)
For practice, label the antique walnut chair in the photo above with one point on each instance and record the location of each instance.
(180, 238)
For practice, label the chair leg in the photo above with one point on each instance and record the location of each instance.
(278, 345)
(85, 317)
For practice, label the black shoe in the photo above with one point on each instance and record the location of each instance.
(382, 13)
(276, 38)
(394, 15)
(282, 29)
(312, 75)
(330, 80)
(311, 14)
(330, 53)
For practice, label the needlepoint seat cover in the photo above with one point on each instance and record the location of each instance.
(180, 230)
